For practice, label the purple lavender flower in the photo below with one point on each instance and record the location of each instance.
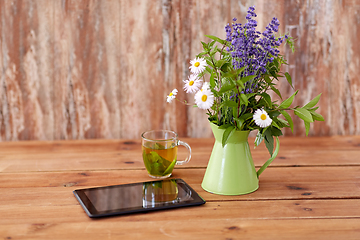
(252, 49)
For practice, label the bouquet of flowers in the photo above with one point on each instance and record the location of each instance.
(231, 79)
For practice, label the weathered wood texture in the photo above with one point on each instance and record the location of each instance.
(103, 68)
(310, 191)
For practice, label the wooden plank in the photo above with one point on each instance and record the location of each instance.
(245, 210)
(320, 44)
(143, 80)
(27, 70)
(331, 229)
(102, 69)
(86, 69)
(115, 160)
(126, 154)
(318, 198)
(202, 144)
(275, 183)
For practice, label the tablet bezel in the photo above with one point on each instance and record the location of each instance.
(92, 212)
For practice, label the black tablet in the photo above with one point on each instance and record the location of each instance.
(137, 197)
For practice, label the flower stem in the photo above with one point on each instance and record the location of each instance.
(183, 102)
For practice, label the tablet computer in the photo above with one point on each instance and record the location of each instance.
(137, 197)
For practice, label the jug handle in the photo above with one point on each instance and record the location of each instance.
(273, 156)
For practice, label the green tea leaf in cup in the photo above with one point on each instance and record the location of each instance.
(170, 168)
(157, 169)
(146, 161)
(158, 146)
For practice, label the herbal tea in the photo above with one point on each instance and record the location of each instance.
(159, 150)
(159, 160)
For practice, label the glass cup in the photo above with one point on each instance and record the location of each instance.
(160, 193)
(159, 150)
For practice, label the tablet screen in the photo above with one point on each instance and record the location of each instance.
(137, 197)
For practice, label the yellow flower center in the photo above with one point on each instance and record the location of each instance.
(171, 94)
(191, 83)
(197, 64)
(204, 98)
(263, 117)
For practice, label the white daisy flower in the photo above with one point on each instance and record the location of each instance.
(193, 84)
(261, 118)
(206, 86)
(172, 95)
(204, 99)
(198, 65)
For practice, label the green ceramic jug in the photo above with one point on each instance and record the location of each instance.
(231, 169)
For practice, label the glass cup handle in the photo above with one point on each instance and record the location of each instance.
(189, 155)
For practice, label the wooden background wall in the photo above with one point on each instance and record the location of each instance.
(74, 69)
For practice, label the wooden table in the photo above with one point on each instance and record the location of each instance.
(311, 191)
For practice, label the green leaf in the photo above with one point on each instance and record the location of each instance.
(273, 123)
(283, 122)
(209, 70)
(234, 113)
(317, 116)
(313, 109)
(158, 146)
(275, 131)
(201, 54)
(303, 114)
(244, 99)
(288, 78)
(170, 168)
(226, 88)
(211, 44)
(246, 79)
(225, 126)
(274, 114)
(240, 70)
(267, 79)
(219, 63)
(209, 62)
(307, 127)
(239, 122)
(274, 73)
(233, 74)
(286, 103)
(246, 116)
(276, 64)
(224, 67)
(267, 99)
(212, 53)
(227, 133)
(146, 161)
(230, 74)
(313, 102)
(212, 80)
(205, 45)
(154, 163)
(269, 141)
(250, 95)
(276, 91)
(216, 39)
(229, 103)
(289, 119)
